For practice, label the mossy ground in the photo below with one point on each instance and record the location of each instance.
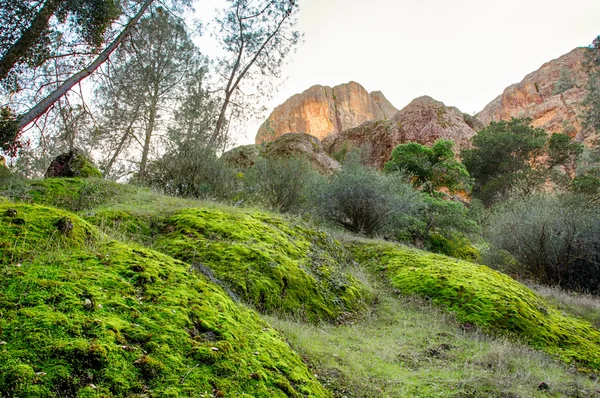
(408, 347)
(272, 264)
(90, 307)
(486, 298)
(87, 316)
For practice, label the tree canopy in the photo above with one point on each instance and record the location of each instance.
(514, 157)
(430, 168)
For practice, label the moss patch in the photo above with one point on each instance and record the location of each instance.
(489, 299)
(267, 261)
(110, 319)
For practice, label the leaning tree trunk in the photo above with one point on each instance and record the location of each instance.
(45, 104)
(29, 37)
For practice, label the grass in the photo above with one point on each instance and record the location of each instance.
(407, 347)
(480, 296)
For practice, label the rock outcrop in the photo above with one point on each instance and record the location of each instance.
(72, 164)
(424, 120)
(322, 110)
(288, 145)
(552, 96)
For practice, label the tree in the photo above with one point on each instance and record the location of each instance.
(139, 90)
(89, 18)
(430, 168)
(257, 36)
(25, 29)
(514, 157)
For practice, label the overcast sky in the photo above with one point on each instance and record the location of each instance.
(461, 52)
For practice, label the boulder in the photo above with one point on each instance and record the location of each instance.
(322, 110)
(242, 157)
(302, 145)
(287, 146)
(72, 164)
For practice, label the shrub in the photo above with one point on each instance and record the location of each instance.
(280, 183)
(193, 172)
(363, 200)
(555, 239)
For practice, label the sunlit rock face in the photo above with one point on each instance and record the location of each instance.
(321, 111)
(552, 96)
(424, 121)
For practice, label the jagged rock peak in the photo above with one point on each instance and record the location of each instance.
(323, 110)
(423, 120)
(551, 96)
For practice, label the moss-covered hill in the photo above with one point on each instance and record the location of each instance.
(486, 298)
(112, 290)
(83, 315)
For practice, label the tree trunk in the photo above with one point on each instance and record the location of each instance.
(149, 131)
(45, 104)
(27, 40)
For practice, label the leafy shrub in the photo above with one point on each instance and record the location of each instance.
(193, 172)
(363, 200)
(555, 239)
(280, 183)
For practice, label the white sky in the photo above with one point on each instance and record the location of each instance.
(461, 52)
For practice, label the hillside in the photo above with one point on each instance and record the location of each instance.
(113, 290)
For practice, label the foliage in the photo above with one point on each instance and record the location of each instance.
(555, 239)
(27, 31)
(365, 201)
(564, 82)
(486, 298)
(257, 37)
(140, 86)
(120, 320)
(280, 183)
(508, 158)
(192, 171)
(9, 133)
(430, 168)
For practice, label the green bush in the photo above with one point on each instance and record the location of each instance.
(193, 172)
(365, 201)
(280, 183)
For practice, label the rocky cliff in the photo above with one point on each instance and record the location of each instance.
(552, 96)
(424, 120)
(322, 110)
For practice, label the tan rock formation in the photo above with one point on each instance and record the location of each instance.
(424, 120)
(539, 96)
(321, 111)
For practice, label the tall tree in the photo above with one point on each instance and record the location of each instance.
(257, 36)
(28, 33)
(139, 88)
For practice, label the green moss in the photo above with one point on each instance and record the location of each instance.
(110, 319)
(489, 299)
(27, 229)
(267, 261)
(137, 227)
(85, 168)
